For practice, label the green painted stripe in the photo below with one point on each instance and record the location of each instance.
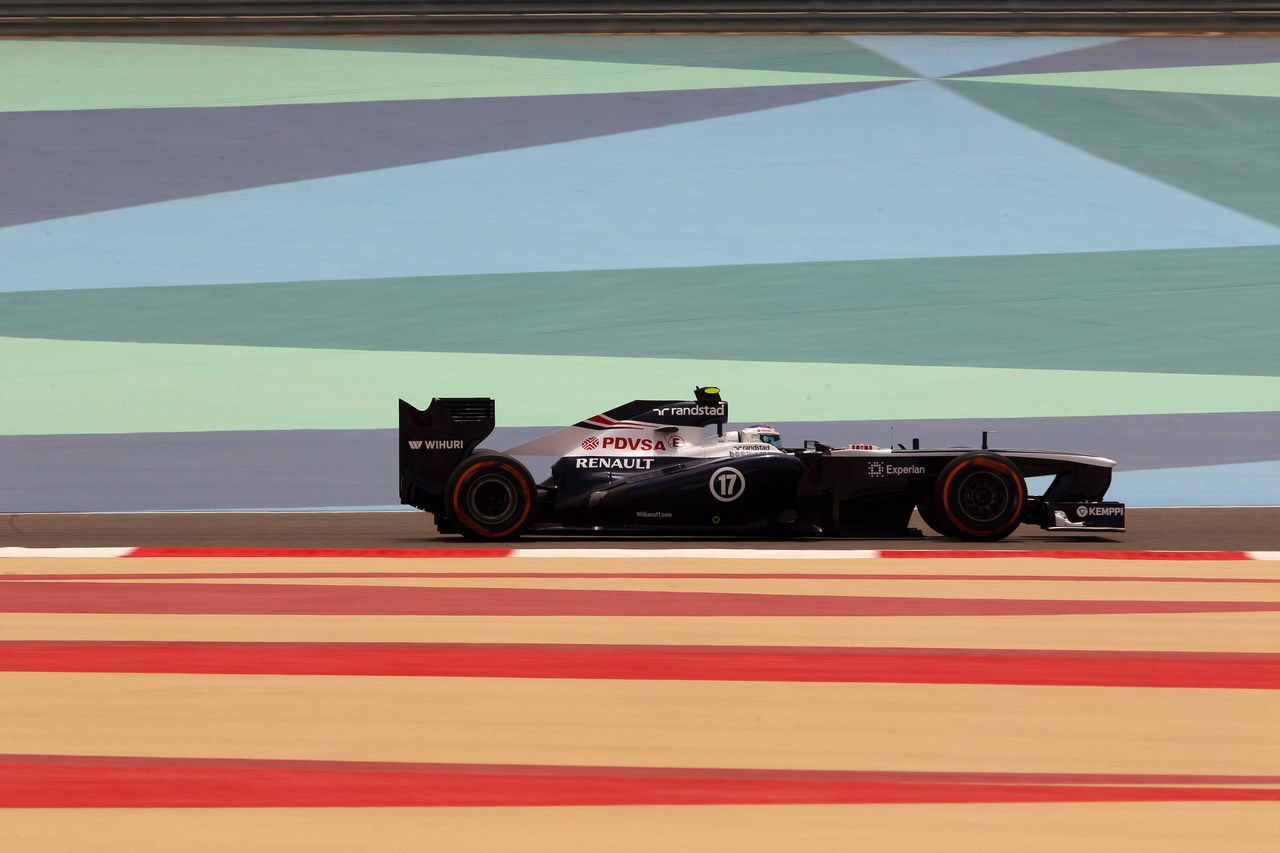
(61, 387)
(807, 53)
(1193, 311)
(1223, 148)
(1261, 80)
(77, 75)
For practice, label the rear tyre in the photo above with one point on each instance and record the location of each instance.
(490, 497)
(980, 497)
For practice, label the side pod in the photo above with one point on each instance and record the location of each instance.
(435, 440)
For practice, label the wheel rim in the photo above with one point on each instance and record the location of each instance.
(491, 500)
(983, 497)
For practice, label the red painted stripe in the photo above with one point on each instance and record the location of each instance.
(408, 553)
(727, 576)
(96, 785)
(88, 597)
(709, 663)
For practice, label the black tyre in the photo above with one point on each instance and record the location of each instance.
(932, 516)
(490, 496)
(980, 497)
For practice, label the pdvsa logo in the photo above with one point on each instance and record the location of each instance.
(625, 442)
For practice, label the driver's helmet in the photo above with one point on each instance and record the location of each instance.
(761, 432)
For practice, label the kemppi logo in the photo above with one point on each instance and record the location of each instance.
(1098, 511)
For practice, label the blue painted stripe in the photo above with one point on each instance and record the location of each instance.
(1246, 484)
(906, 171)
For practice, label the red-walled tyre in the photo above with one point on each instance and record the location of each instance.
(932, 516)
(980, 496)
(490, 496)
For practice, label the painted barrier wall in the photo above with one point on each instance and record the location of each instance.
(224, 260)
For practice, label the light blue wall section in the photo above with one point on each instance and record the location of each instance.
(1251, 484)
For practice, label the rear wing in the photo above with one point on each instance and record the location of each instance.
(433, 441)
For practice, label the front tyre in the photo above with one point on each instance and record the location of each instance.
(980, 497)
(490, 496)
(931, 515)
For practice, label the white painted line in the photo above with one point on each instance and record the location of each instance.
(74, 553)
(694, 553)
(660, 553)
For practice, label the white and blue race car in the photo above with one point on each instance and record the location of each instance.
(671, 467)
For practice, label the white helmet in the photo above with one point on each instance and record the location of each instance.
(761, 432)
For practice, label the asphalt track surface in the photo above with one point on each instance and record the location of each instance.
(1149, 529)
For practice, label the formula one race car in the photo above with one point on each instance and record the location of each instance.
(658, 467)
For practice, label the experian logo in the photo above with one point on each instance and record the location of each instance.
(881, 469)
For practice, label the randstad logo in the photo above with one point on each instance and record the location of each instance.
(716, 410)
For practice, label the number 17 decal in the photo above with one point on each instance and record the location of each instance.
(727, 484)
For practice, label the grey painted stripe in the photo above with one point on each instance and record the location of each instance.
(201, 470)
(1136, 442)
(82, 161)
(355, 468)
